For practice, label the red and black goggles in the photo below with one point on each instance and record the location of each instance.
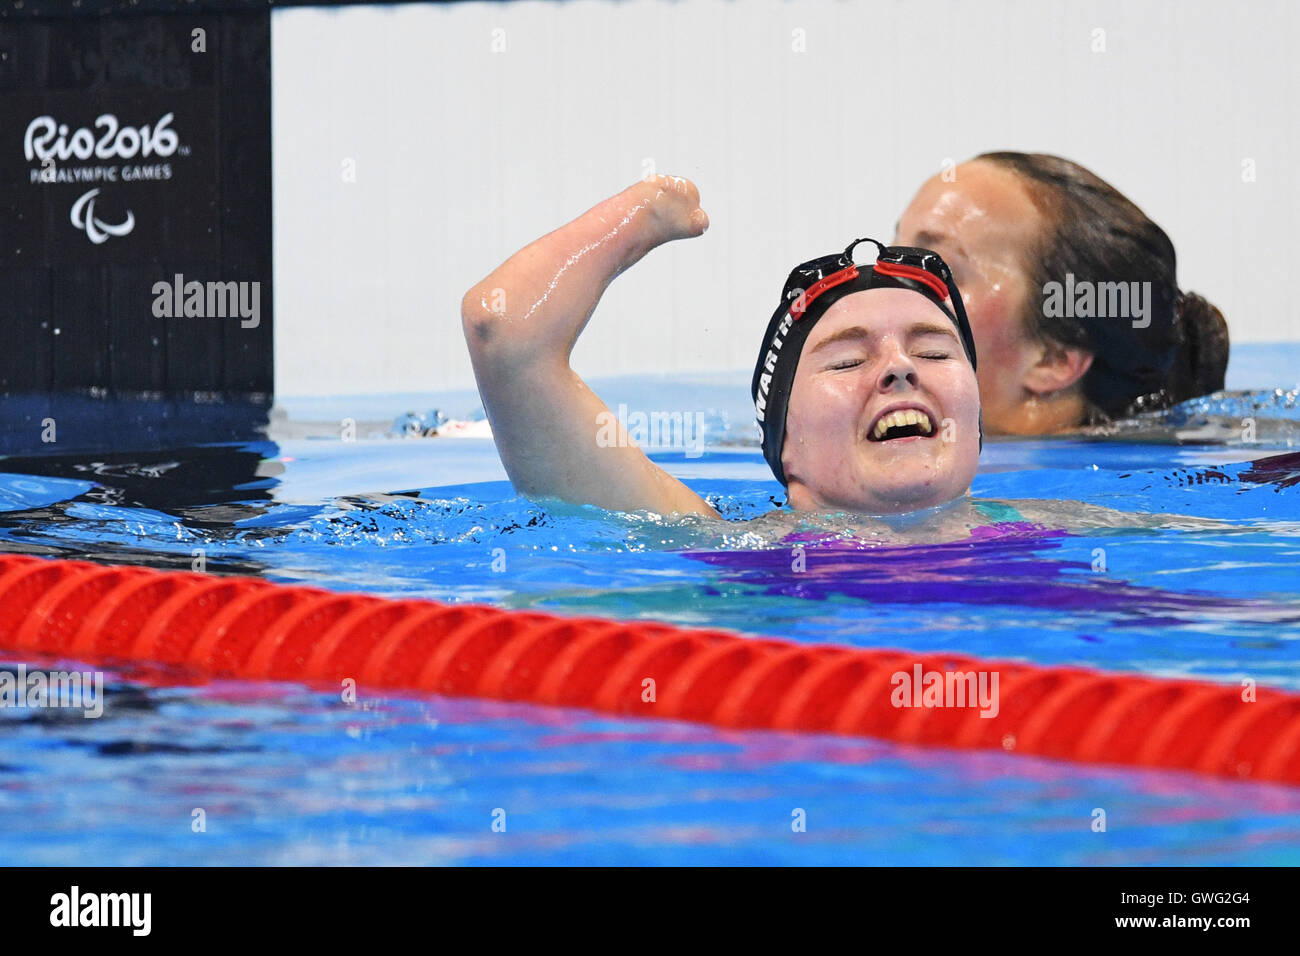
(924, 269)
(810, 290)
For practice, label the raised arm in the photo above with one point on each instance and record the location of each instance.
(522, 322)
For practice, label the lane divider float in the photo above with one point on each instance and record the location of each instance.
(251, 629)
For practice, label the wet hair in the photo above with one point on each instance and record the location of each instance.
(1095, 233)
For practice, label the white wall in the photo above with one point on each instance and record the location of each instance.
(463, 155)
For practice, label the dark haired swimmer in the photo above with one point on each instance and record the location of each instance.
(1014, 225)
(875, 381)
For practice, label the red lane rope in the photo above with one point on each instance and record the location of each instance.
(252, 629)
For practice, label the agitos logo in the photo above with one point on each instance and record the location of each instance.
(108, 153)
(83, 217)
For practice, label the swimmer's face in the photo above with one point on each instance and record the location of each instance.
(872, 354)
(986, 227)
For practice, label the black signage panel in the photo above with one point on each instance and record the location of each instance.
(135, 205)
(110, 176)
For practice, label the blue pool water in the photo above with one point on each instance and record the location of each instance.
(288, 775)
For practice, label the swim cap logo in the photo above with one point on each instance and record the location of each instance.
(96, 230)
(769, 365)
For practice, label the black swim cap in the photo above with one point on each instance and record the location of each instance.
(814, 287)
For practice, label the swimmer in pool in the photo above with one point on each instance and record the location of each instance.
(869, 404)
(1013, 225)
(868, 394)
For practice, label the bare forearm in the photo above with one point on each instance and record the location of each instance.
(521, 323)
(536, 304)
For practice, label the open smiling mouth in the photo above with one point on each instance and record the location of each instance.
(902, 423)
